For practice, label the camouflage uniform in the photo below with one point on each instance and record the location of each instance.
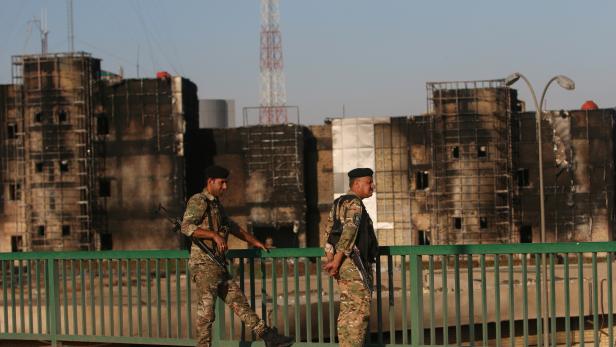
(354, 297)
(210, 279)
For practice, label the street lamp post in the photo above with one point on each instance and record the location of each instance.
(568, 84)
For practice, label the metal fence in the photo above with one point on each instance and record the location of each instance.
(426, 295)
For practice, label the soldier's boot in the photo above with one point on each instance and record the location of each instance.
(273, 339)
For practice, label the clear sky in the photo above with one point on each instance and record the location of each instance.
(373, 57)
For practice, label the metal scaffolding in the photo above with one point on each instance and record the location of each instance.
(471, 200)
(276, 151)
(54, 156)
(14, 156)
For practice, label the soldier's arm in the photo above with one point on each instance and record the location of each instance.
(352, 217)
(242, 234)
(193, 216)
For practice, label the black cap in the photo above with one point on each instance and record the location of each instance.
(361, 172)
(216, 171)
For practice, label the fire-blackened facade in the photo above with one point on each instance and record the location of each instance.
(578, 164)
(86, 159)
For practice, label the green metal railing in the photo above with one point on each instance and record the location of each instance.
(475, 295)
(133, 297)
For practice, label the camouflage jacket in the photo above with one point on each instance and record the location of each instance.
(349, 212)
(204, 211)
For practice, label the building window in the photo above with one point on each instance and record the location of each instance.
(522, 177)
(526, 234)
(16, 244)
(38, 167)
(457, 223)
(38, 117)
(483, 223)
(63, 165)
(102, 125)
(482, 151)
(421, 180)
(52, 203)
(15, 191)
(11, 131)
(455, 152)
(106, 241)
(66, 230)
(424, 240)
(40, 230)
(62, 116)
(104, 187)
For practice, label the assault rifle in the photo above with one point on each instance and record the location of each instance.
(209, 252)
(363, 272)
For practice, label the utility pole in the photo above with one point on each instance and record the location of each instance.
(69, 18)
(41, 24)
(137, 61)
(44, 32)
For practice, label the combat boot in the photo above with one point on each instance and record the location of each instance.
(273, 339)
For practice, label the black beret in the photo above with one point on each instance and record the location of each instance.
(361, 172)
(216, 171)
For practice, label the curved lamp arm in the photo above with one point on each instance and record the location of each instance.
(532, 91)
(563, 81)
(511, 79)
(545, 91)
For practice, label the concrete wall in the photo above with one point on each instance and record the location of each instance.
(319, 181)
(392, 182)
(142, 159)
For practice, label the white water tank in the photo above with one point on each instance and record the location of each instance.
(216, 113)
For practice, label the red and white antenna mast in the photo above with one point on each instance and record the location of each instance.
(273, 91)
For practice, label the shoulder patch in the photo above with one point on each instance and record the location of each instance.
(357, 219)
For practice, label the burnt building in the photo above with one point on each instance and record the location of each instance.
(466, 172)
(140, 150)
(48, 160)
(84, 155)
(475, 176)
(88, 157)
(463, 173)
(578, 166)
(471, 164)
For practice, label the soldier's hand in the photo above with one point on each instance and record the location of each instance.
(220, 244)
(332, 268)
(261, 246)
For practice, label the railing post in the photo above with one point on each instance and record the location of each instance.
(53, 308)
(417, 329)
(219, 322)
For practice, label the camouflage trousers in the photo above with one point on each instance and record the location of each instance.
(354, 306)
(212, 283)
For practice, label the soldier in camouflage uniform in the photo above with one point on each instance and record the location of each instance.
(356, 231)
(205, 218)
